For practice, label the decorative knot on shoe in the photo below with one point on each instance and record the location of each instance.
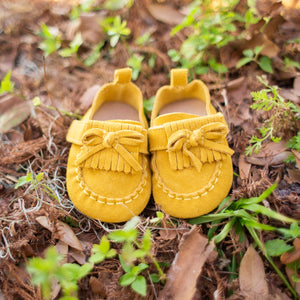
(95, 140)
(210, 138)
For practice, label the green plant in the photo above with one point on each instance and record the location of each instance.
(242, 216)
(116, 29)
(51, 39)
(74, 46)
(284, 116)
(135, 251)
(6, 85)
(45, 271)
(290, 63)
(36, 101)
(293, 143)
(264, 62)
(135, 62)
(84, 6)
(210, 28)
(94, 56)
(35, 181)
(133, 255)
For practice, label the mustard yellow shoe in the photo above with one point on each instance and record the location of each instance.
(108, 172)
(191, 160)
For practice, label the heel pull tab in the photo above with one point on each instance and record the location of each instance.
(123, 75)
(179, 77)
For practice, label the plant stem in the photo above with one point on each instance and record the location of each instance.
(160, 271)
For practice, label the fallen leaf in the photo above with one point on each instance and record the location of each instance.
(271, 153)
(13, 111)
(89, 27)
(297, 156)
(66, 234)
(45, 222)
(165, 14)
(194, 251)
(88, 97)
(296, 86)
(97, 286)
(252, 279)
(290, 273)
(244, 167)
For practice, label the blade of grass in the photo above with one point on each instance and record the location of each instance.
(224, 232)
(210, 218)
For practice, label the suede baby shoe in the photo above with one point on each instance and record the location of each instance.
(191, 160)
(108, 172)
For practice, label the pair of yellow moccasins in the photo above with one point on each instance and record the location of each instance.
(108, 173)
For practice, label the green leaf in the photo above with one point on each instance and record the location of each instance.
(127, 279)
(111, 253)
(114, 40)
(222, 235)
(155, 277)
(6, 84)
(265, 64)
(146, 241)
(257, 49)
(270, 213)
(132, 223)
(210, 217)
(293, 232)
(126, 267)
(148, 104)
(97, 258)
(21, 181)
(248, 53)
(277, 247)
(118, 236)
(39, 176)
(104, 245)
(115, 4)
(243, 61)
(140, 285)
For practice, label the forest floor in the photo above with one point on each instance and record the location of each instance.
(46, 91)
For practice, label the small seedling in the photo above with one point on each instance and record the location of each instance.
(289, 63)
(135, 62)
(134, 251)
(284, 116)
(84, 6)
(51, 39)
(74, 46)
(102, 251)
(264, 62)
(6, 84)
(45, 271)
(95, 55)
(116, 29)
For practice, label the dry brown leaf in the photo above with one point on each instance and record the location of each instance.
(165, 14)
(297, 157)
(244, 167)
(13, 112)
(97, 286)
(182, 277)
(78, 255)
(294, 175)
(297, 86)
(66, 234)
(271, 153)
(290, 273)
(252, 279)
(89, 27)
(45, 222)
(87, 98)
